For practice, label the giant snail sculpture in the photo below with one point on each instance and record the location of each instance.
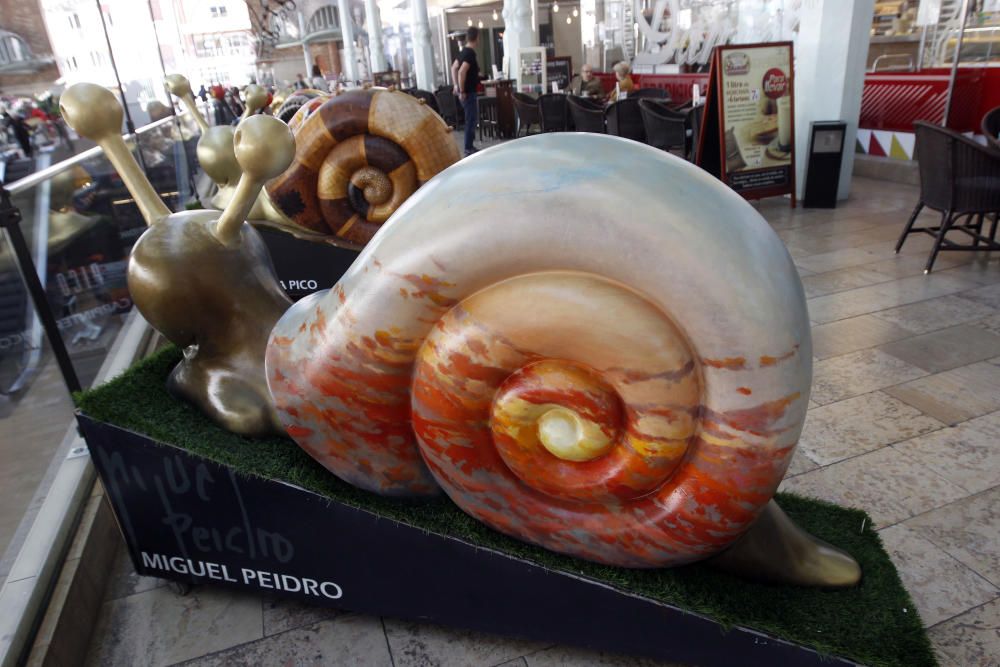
(359, 156)
(552, 334)
(628, 393)
(203, 278)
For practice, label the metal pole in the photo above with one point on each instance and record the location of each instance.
(954, 63)
(129, 125)
(10, 219)
(920, 50)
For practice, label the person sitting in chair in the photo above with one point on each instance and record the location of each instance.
(625, 83)
(587, 85)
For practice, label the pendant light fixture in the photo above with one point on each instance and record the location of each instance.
(569, 20)
(480, 23)
(468, 22)
(555, 7)
(576, 12)
(494, 15)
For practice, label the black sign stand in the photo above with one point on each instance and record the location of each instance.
(191, 520)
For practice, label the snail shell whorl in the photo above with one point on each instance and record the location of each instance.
(360, 156)
(291, 105)
(592, 369)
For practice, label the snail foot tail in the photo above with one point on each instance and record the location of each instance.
(776, 550)
(224, 395)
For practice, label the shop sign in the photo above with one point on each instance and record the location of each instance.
(748, 135)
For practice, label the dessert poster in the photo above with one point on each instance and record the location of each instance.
(757, 116)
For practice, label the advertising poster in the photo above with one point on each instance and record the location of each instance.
(753, 112)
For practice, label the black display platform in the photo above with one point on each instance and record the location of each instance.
(189, 519)
(304, 267)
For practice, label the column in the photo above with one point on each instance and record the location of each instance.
(830, 55)
(305, 46)
(347, 35)
(423, 52)
(376, 48)
(519, 32)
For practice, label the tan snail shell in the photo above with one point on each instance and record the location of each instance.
(203, 278)
(360, 155)
(586, 343)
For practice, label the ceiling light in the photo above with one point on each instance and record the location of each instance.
(576, 12)
(480, 24)
(494, 15)
(555, 7)
(469, 22)
(569, 19)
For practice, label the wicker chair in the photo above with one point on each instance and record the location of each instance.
(625, 120)
(553, 109)
(526, 107)
(428, 98)
(447, 105)
(587, 115)
(991, 127)
(665, 129)
(651, 94)
(961, 179)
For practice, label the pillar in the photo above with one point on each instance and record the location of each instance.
(305, 46)
(423, 52)
(376, 49)
(347, 35)
(519, 32)
(830, 55)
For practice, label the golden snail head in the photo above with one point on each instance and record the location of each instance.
(572, 355)
(178, 85)
(203, 278)
(255, 97)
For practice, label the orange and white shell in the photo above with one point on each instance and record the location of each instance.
(587, 343)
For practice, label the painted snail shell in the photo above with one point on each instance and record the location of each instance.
(609, 362)
(295, 101)
(360, 155)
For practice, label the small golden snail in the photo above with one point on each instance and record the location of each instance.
(359, 156)
(610, 362)
(203, 278)
(215, 147)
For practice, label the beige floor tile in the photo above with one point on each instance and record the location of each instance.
(940, 586)
(967, 454)
(956, 395)
(800, 463)
(884, 296)
(349, 640)
(991, 324)
(904, 266)
(859, 425)
(970, 640)
(946, 349)
(988, 295)
(281, 615)
(837, 281)
(858, 373)
(159, 627)
(853, 334)
(968, 531)
(419, 644)
(940, 313)
(888, 485)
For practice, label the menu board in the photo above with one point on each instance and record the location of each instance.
(753, 114)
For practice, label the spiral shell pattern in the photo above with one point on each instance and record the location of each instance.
(359, 156)
(293, 103)
(609, 363)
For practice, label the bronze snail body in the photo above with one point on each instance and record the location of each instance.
(203, 279)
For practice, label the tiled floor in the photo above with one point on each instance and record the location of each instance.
(904, 422)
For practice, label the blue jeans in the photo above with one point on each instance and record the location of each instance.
(471, 108)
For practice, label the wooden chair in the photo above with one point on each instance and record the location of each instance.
(960, 178)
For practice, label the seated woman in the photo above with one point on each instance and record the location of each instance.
(625, 83)
(587, 85)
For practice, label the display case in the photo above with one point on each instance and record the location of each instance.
(531, 70)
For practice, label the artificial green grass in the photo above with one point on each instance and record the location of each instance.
(875, 623)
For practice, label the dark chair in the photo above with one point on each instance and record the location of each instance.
(587, 115)
(625, 120)
(427, 97)
(553, 108)
(651, 94)
(488, 117)
(991, 127)
(665, 129)
(526, 107)
(447, 105)
(960, 178)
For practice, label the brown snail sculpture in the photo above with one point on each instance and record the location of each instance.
(359, 156)
(573, 357)
(203, 278)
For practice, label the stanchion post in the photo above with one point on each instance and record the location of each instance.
(10, 219)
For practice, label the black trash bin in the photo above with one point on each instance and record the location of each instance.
(826, 150)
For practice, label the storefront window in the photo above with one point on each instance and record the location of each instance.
(909, 35)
